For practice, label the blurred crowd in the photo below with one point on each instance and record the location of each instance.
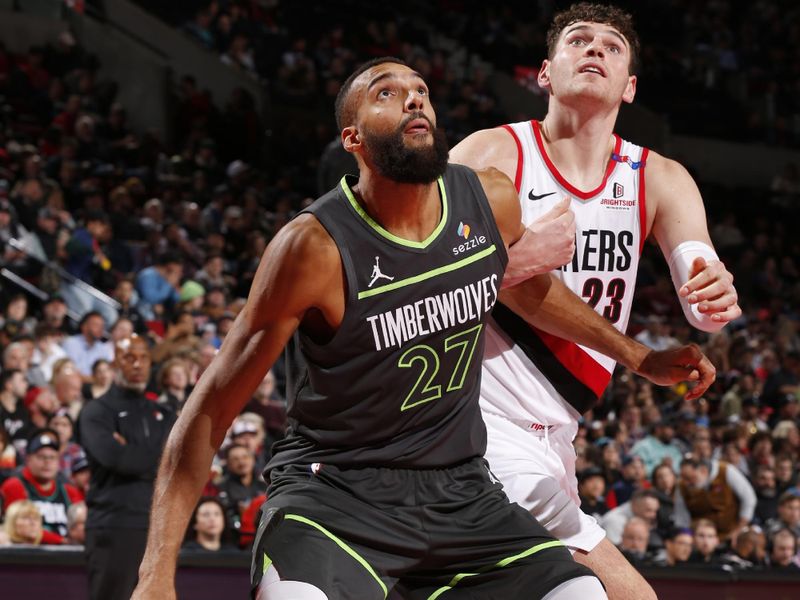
(171, 231)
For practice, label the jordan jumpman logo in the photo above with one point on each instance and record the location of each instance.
(376, 273)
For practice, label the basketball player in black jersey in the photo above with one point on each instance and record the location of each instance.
(380, 483)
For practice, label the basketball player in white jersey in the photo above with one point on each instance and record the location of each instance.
(536, 386)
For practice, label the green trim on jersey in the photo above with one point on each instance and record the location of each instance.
(267, 564)
(343, 546)
(503, 563)
(389, 236)
(428, 274)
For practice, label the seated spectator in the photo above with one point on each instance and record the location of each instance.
(69, 451)
(783, 551)
(659, 447)
(271, 407)
(39, 483)
(591, 490)
(643, 504)
(208, 529)
(785, 473)
(633, 478)
(89, 345)
(241, 482)
(159, 287)
(102, 378)
(46, 353)
(248, 430)
(766, 490)
(633, 543)
(679, 546)
(54, 315)
(76, 524)
(81, 475)
(87, 260)
(23, 523)
(707, 549)
(788, 514)
(749, 550)
(718, 492)
(672, 511)
(173, 379)
(14, 417)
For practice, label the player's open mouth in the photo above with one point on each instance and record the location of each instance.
(417, 126)
(592, 68)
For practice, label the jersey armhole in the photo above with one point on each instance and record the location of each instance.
(520, 158)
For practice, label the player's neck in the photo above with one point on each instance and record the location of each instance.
(579, 143)
(409, 211)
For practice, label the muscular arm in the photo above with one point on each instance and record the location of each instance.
(707, 294)
(300, 270)
(546, 303)
(548, 242)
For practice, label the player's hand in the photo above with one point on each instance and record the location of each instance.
(710, 286)
(120, 439)
(686, 363)
(547, 244)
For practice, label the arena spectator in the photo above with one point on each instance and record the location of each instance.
(69, 452)
(23, 523)
(788, 513)
(643, 504)
(241, 482)
(159, 287)
(76, 524)
(678, 546)
(208, 529)
(749, 549)
(102, 378)
(634, 541)
(39, 483)
(86, 347)
(672, 511)
(707, 550)
(633, 478)
(718, 492)
(659, 447)
(45, 354)
(14, 417)
(766, 490)
(591, 490)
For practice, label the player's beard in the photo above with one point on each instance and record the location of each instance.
(396, 161)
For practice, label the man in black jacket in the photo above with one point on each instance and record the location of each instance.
(123, 434)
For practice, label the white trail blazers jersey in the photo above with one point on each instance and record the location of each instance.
(534, 377)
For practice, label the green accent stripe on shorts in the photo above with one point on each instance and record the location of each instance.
(267, 563)
(503, 563)
(429, 274)
(390, 236)
(343, 546)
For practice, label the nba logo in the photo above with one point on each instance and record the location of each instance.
(618, 190)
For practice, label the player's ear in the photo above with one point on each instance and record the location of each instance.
(543, 78)
(351, 140)
(630, 90)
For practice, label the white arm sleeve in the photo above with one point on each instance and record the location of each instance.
(680, 261)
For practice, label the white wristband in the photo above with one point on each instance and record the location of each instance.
(680, 263)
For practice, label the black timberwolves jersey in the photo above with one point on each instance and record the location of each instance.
(398, 383)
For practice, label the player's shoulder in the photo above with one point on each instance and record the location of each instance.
(659, 167)
(305, 237)
(484, 148)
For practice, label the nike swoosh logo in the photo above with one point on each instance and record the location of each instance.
(532, 196)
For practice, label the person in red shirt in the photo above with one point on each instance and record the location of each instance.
(38, 481)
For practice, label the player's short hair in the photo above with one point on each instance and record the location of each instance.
(345, 111)
(596, 13)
